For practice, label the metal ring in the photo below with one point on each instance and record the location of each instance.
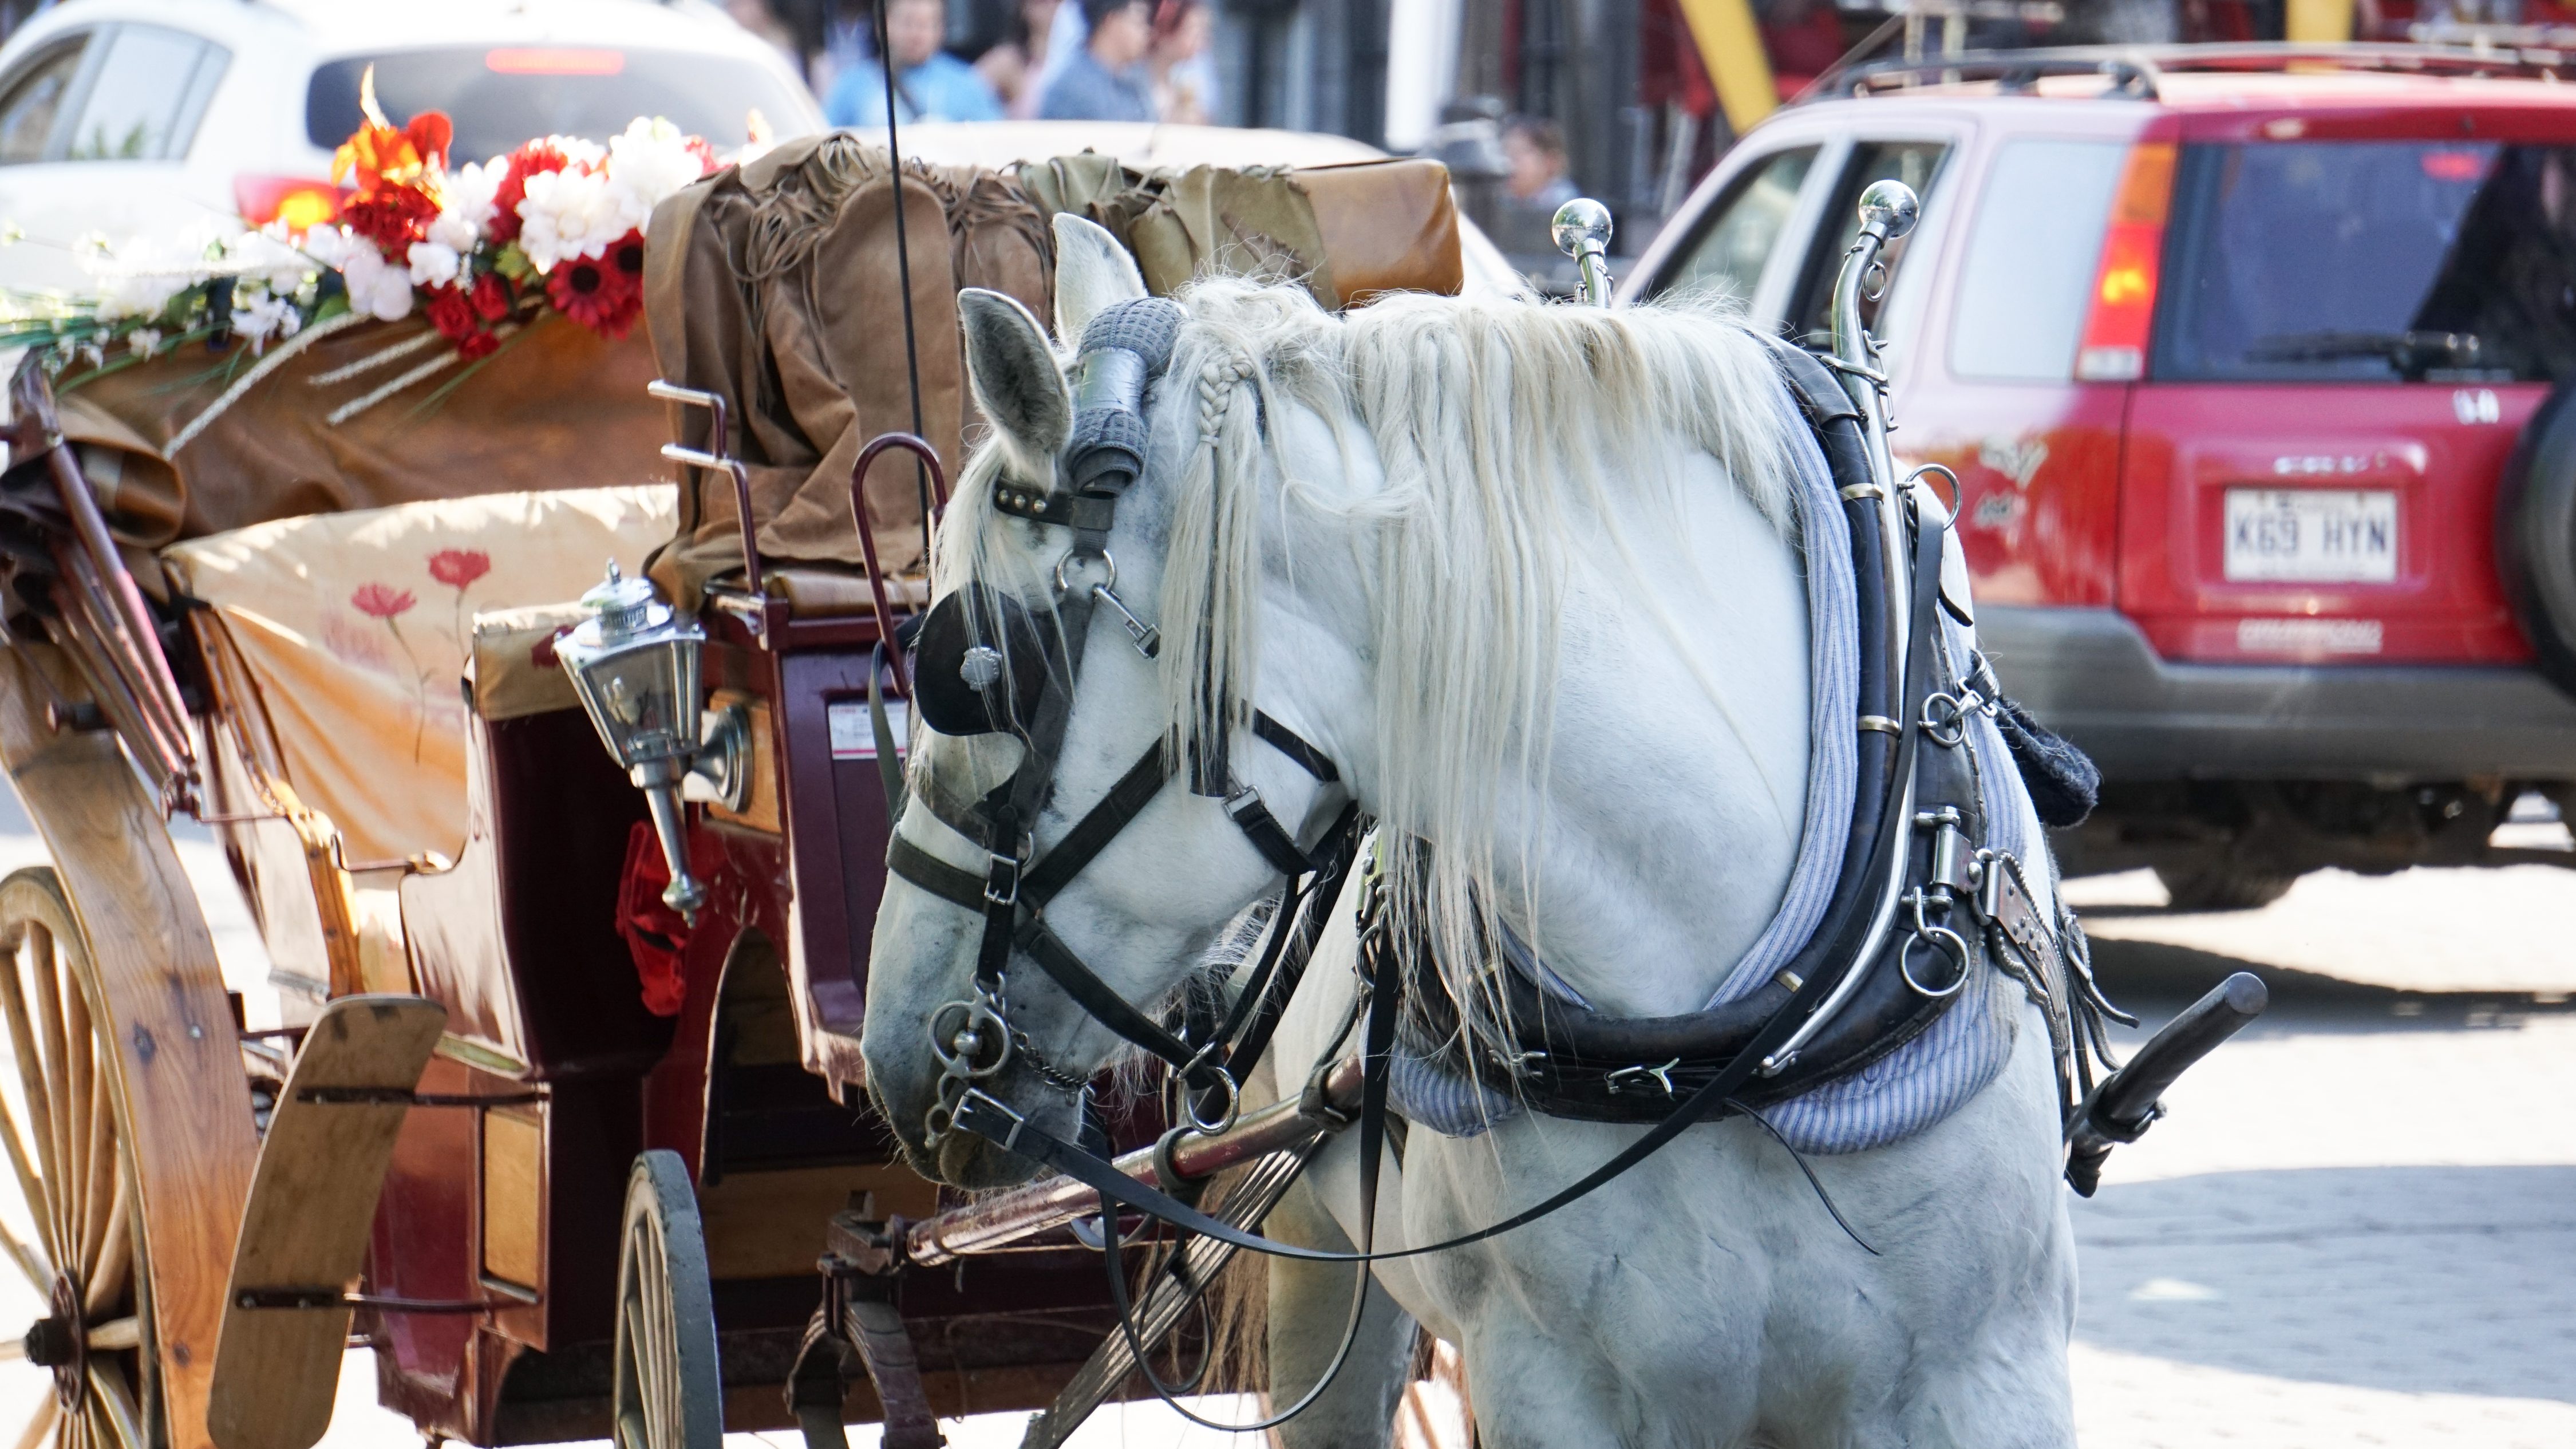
(1071, 555)
(959, 1062)
(1233, 1105)
(1873, 282)
(1956, 723)
(1958, 490)
(1944, 940)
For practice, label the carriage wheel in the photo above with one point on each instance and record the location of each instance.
(67, 1219)
(668, 1394)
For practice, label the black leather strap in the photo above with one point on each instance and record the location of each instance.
(1287, 742)
(1100, 825)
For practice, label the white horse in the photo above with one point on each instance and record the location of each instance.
(1522, 573)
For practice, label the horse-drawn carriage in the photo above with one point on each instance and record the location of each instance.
(565, 1105)
(551, 1132)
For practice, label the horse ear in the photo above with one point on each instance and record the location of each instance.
(1014, 374)
(1092, 272)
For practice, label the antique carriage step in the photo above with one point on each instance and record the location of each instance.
(305, 1229)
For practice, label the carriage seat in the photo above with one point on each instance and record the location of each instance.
(335, 644)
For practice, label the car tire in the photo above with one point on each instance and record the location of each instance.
(2220, 885)
(2536, 535)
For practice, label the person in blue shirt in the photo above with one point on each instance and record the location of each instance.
(1106, 79)
(929, 83)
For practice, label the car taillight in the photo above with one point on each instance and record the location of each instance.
(300, 202)
(554, 60)
(2124, 285)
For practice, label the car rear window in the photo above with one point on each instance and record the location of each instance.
(501, 97)
(2371, 261)
(2028, 273)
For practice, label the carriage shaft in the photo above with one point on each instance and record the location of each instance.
(1001, 1220)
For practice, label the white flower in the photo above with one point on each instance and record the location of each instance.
(651, 161)
(433, 264)
(376, 287)
(465, 212)
(572, 213)
(268, 259)
(144, 340)
(328, 245)
(258, 317)
(136, 294)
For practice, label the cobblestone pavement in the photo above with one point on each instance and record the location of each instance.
(2356, 1227)
(2358, 1224)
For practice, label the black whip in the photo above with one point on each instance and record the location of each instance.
(903, 272)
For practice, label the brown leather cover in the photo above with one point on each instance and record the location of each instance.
(775, 285)
(1348, 232)
(556, 407)
(1388, 226)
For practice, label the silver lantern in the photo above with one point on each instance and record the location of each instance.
(635, 664)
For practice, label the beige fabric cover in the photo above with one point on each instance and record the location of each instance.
(354, 628)
(515, 673)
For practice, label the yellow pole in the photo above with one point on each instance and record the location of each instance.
(2318, 21)
(1730, 45)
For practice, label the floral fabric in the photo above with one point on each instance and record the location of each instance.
(355, 628)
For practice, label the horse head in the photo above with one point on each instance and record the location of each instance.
(1048, 701)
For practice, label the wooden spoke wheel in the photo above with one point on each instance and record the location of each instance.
(668, 1394)
(68, 1223)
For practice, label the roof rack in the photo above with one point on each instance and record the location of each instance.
(2137, 71)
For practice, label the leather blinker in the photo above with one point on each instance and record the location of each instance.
(980, 663)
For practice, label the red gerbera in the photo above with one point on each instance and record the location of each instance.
(603, 293)
(528, 160)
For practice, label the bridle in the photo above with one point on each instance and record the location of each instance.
(984, 665)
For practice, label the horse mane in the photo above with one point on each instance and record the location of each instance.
(1505, 431)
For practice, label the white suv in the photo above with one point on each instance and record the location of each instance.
(156, 118)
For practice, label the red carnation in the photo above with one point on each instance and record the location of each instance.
(454, 315)
(391, 215)
(491, 297)
(603, 293)
(527, 161)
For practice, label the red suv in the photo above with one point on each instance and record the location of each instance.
(2252, 364)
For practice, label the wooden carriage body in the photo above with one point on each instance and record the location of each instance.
(472, 1054)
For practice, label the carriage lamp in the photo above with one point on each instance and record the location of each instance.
(634, 662)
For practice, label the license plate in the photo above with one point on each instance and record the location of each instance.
(2311, 535)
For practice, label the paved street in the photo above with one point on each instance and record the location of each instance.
(2358, 1226)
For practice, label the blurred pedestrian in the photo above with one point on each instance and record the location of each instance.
(1534, 186)
(1184, 71)
(1534, 149)
(1107, 79)
(1016, 66)
(929, 83)
(761, 19)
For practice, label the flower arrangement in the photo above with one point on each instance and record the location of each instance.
(481, 250)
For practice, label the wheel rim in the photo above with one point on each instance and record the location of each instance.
(67, 1220)
(668, 1393)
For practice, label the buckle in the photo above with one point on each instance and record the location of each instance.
(1002, 882)
(1660, 1076)
(977, 1103)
